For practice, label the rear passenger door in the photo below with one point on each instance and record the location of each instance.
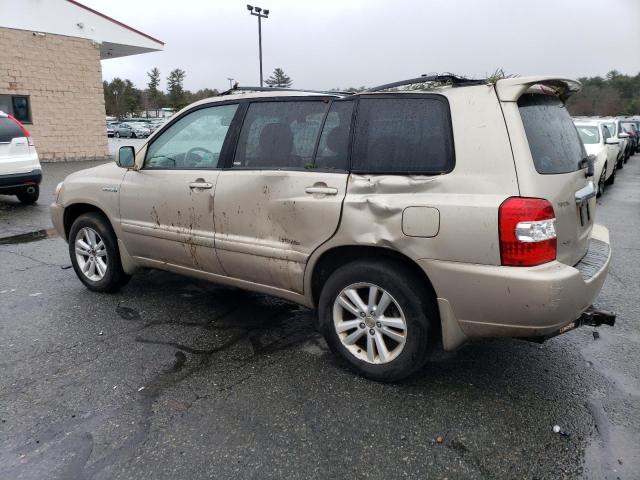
(281, 196)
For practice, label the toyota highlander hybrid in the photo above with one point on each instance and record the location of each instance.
(411, 219)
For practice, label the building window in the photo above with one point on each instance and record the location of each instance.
(16, 105)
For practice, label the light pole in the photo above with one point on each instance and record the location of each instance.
(260, 13)
(231, 79)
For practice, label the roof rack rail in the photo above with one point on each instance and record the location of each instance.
(454, 80)
(281, 89)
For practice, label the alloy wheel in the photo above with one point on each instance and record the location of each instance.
(91, 254)
(369, 323)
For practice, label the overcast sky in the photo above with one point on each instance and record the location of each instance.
(344, 43)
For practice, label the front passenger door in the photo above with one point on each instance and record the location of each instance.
(166, 207)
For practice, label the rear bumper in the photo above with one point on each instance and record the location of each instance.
(490, 301)
(14, 181)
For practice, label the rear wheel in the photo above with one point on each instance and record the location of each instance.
(377, 316)
(29, 194)
(94, 252)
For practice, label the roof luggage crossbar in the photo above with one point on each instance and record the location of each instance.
(454, 80)
(281, 89)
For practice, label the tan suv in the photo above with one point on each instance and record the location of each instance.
(408, 218)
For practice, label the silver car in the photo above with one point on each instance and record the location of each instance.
(131, 130)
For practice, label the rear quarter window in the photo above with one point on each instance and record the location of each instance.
(403, 135)
(9, 130)
(553, 139)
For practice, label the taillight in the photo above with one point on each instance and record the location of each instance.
(527, 228)
(22, 127)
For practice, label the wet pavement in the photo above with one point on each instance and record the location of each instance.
(176, 378)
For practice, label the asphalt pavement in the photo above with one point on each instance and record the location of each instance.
(175, 378)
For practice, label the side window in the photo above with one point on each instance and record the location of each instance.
(333, 149)
(605, 133)
(194, 141)
(16, 105)
(279, 134)
(403, 135)
(21, 109)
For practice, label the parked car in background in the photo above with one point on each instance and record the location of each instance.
(20, 171)
(110, 130)
(156, 124)
(402, 238)
(630, 127)
(599, 142)
(614, 128)
(131, 130)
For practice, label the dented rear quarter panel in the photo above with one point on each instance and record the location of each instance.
(467, 198)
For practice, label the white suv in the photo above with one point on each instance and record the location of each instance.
(20, 171)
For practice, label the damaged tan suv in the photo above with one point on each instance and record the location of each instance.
(409, 217)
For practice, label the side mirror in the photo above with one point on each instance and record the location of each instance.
(126, 157)
(612, 141)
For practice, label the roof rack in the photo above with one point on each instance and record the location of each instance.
(454, 80)
(281, 89)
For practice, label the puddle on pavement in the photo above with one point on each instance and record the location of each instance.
(29, 237)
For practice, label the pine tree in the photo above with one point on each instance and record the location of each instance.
(177, 98)
(279, 79)
(153, 88)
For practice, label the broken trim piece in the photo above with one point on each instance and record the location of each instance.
(511, 89)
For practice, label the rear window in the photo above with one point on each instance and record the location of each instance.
(403, 135)
(588, 135)
(553, 140)
(9, 130)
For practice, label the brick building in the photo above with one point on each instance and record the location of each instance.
(50, 72)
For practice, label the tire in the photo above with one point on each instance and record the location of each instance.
(113, 277)
(29, 198)
(133, 135)
(612, 179)
(117, 135)
(409, 302)
(601, 182)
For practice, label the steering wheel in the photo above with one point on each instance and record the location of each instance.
(187, 158)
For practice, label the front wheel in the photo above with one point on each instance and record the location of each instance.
(117, 135)
(94, 252)
(612, 178)
(377, 316)
(601, 182)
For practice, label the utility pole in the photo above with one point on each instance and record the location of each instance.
(260, 13)
(231, 79)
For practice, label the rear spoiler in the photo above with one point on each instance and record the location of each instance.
(511, 89)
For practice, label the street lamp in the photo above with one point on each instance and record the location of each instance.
(260, 13)
(231, 79)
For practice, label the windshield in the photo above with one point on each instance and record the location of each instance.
(553, 140)
(588, 135)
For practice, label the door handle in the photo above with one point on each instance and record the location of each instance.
(322, 190)
(200, 185)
